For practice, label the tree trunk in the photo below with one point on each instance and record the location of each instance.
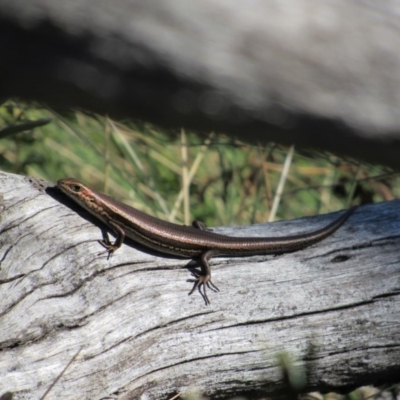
(316, 73)
(333, 307)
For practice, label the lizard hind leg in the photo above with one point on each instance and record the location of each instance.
(203, 279)
(199, 225)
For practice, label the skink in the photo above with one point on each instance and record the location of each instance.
(180, 240)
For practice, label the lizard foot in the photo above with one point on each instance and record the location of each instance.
(203, 281)
(110, 248)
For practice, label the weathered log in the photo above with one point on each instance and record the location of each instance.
(333, 307)
(314, 73)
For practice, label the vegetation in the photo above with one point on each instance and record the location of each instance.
(180, 176)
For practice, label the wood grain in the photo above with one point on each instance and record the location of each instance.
(333, 307)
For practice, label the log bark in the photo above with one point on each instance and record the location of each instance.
(321, 74)
(333, 307)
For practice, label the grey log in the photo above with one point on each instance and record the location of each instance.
(315, 73)
(333, 307)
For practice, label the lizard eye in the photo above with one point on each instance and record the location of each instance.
(76, 188)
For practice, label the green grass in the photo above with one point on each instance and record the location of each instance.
(179, 176)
